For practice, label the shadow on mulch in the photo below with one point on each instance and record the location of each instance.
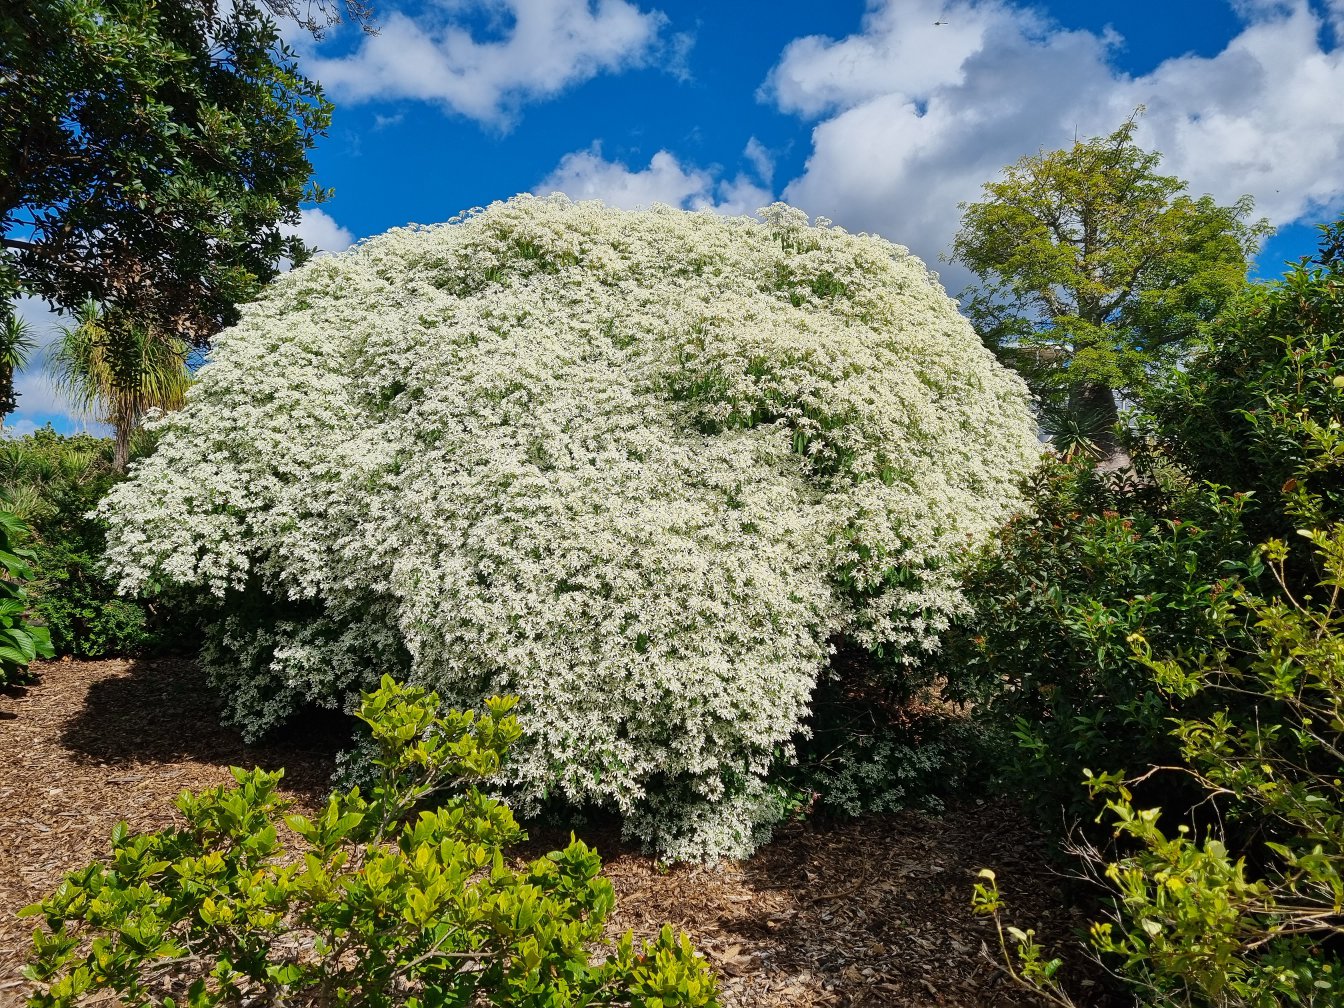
(864, 913)
(854, 913)
(163, 710)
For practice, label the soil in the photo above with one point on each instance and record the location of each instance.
(852, 914)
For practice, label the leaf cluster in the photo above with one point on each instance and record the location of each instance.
(21, 641)
(382, 900)
(151, 156)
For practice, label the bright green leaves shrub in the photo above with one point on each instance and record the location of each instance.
(21, 641)
(1251, 913)
(381, 902)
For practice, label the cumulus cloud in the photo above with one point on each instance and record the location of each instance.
(588, 175)
(912, 117)
(319, 230)
(537, 49)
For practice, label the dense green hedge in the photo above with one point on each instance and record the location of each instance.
(1174, 645)
(52, 481)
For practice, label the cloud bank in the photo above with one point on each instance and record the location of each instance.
(532, 49)
(912, 117)
(587, 175)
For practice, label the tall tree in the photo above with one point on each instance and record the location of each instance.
(16, 343)
(1094, 268)
(118, 370)
(152, 156)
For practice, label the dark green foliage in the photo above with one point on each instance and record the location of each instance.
(1253, 409)
(21, 641)
(1047, 659)
(151, 155)
(381, 904)
(53, 481)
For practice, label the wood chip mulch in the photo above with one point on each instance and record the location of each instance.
(856, 914)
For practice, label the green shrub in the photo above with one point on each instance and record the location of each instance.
(1046, 659)
(1232, 892)
(1246, 909)
(53, 481)
(385, 902)
(21, 641)
(1249, 913)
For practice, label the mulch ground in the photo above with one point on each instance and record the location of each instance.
(858, 914)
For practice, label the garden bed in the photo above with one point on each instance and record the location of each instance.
(862, 913)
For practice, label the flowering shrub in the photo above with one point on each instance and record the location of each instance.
(640, 469)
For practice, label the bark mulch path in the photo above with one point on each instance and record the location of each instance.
(859, 914)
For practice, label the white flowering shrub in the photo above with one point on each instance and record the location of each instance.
(641, 469)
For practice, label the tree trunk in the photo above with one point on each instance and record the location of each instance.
(1097, 404)
(121, 454)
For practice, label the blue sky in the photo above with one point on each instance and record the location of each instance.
(869, 114)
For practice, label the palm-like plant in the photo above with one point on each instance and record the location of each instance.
(16, 343)
(118, 371)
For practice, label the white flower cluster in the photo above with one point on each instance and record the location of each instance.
(642, 469)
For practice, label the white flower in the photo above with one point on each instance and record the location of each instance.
(640, 468)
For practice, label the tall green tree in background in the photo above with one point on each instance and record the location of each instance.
(153, 156)
(110, 366)
(16, 343)
(1094, 268)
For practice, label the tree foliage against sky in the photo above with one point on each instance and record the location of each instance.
(110, 367)
(151, 157)
(1094, 267)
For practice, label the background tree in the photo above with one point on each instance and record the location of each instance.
(1093, 268)
(16, 342)
(119, 370)
(151, 156)
(318, 15)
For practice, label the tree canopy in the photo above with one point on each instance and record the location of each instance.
(118, 371)
(151, 157)
(1094, 267)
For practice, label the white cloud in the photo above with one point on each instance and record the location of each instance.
(587, 175)
(319, 230)
(761, 160)
(539, 48)
(914, 117)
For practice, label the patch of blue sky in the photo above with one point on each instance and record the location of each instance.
(882, 116)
